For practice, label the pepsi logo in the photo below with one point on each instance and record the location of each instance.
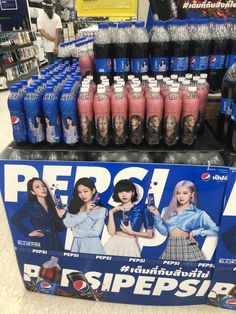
(109, 62)
(192, 60)
(126, 216)
(231, 301)
(212, 59)
(205, 176)
(15, 120)
(45, 285)
(81, 286)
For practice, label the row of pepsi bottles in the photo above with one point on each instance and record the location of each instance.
(196, 45)
(39, 111)
(148, 110)
(226, 122)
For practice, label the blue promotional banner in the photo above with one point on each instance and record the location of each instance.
(138, 232)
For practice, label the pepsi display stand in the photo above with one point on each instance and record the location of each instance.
(144, 280)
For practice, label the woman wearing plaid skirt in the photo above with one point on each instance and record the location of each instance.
(181, 221)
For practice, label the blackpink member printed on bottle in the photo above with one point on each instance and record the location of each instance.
(172, 115)
(154, 114)
(136, 116)
(119, 110)
(190, 117)
(101, 106)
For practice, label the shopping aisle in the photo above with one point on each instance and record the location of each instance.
(15, 299)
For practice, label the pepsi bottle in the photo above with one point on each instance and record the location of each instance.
(224, 117)
(121, 52)
(179, 46)
(34, 116)
(200, 42)
(231, 49)
(140, 50)
(52, 116)
(102, 52)
(16, 107)
(217, 57)
(159, 49)
(231, 135)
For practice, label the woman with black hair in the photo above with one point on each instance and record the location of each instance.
(41, 213)
(125, 222)
(86, 218)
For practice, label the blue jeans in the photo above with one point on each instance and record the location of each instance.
(51, 57)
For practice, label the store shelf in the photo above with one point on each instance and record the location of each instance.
(24, 77)
(13, 64)
(14, 47)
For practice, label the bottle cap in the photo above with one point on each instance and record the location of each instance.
(49, 89)
(159, 23)
(121, 25)
(196, 78)
(159, 77)
(174, 76)
(116, 77)
(14, 89)
(66, 89)
(24, 82)
(103, 26)
(165, 79)
(139, 24)
(203, 75)
(186, 82)
(152, 83)
(135, 79)
(151, 79)
(202, 81)
(121, 83)
(30, 89)
(84, 89)
(34, 77)
(155, 89)
(192, 88)
(106, 83)
(101, 89)
(181, 79)
(118, 89)
(169, 82)
(103, 77)
(130, 77)
(145, 77)
(188, 76)
(220, 21)
(176, 85)
(174, 89)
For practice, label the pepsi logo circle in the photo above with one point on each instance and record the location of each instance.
(231, 301)
(81, 286)
(205, 176)
(109, 63)
(192, 60)
(212, 59)
(15, 120)
(45, 285)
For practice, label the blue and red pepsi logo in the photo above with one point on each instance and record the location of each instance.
(81, 286)
(212, 59)
(15, 120)
(205, 176)
(45, 285)
(192, 60)
(231, 302)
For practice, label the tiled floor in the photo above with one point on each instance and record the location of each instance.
(15, 299)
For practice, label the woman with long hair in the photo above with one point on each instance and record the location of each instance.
(40, 212)
(182, 221)
(85, 217)
(126, 221)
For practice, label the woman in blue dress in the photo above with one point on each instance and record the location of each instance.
(182, 221)
(126, 221)
(39, 219)
(85, 218)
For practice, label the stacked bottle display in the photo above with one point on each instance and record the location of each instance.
(59, 108)
(176, 46)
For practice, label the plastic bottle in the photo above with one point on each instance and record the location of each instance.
(119, 114)
(217, 55)
(52, 116)
(179, 46)
(172, 115)
(166, 89)
(159, 49)
(101, 107)
(69, 116)
(85, 61)
(231, 47)
(190, 113)
(136, 116)
(34, 116)
(16, 107)
(231, 134)
(154, 116)
(200, 43)
(102, 52)
(121, 52)
(202, 93)
(140, 50)
(86, 116)
(49, 277)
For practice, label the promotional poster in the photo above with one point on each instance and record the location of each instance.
(224, 273)
(160, 221)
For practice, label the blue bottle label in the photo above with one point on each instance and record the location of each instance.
(233, 114)
(199, 63)
(179, 64)
(216, 62)
(230, 60)
(45, 286)
(52, 122)
(70, 129)
(139, 65)
(226, 106)
(36, 132)
(103, 65)
(19, 126)
(121, 65)
(159, 64)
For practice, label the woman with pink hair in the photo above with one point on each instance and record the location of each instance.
(182, 221)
